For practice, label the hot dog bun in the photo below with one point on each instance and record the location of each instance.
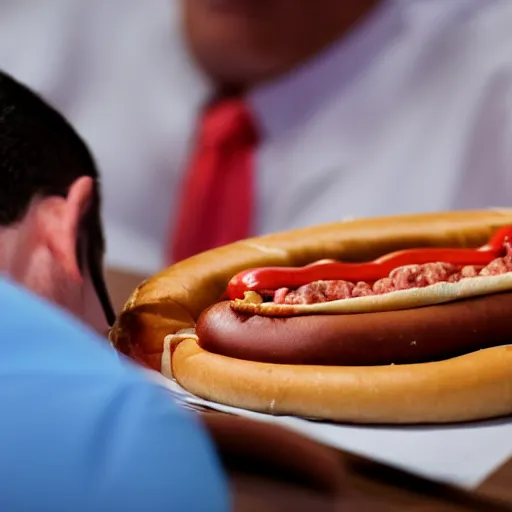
(473, 386)
(469, 387)
(173, 299)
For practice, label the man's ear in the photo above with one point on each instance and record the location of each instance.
(59, 221)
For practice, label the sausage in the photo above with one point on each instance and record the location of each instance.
(417, 335)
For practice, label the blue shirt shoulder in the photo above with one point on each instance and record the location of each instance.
(81, 430)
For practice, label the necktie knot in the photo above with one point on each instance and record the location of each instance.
(228, 123)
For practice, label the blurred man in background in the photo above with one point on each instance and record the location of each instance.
(341, 108)
(333, 108)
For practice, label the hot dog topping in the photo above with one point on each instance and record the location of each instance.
(403, 278)
(328, 280)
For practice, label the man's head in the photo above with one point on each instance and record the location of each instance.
(240, 43)
(50, 232)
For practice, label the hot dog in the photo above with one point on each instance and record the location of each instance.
(321, 324)
(442, 377)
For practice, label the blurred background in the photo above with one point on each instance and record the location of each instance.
(213, 120)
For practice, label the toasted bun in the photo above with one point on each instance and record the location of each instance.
(173, 299)
(469, 387)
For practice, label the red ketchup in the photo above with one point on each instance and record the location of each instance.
(273, 278)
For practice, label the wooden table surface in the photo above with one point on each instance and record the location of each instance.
(368, 485)
(499, 484)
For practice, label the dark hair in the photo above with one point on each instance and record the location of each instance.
(40, 155)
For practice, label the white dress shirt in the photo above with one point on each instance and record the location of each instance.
(411, 112)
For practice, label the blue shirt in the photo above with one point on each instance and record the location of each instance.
(82, 430)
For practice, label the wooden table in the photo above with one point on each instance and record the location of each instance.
(499, 484)
(367, 485)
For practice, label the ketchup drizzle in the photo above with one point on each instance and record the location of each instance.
(273, 278)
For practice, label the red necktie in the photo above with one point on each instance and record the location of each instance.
(217, 199)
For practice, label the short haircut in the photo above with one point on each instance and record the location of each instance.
(41, 155)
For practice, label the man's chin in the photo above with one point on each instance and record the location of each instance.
(236, 7)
